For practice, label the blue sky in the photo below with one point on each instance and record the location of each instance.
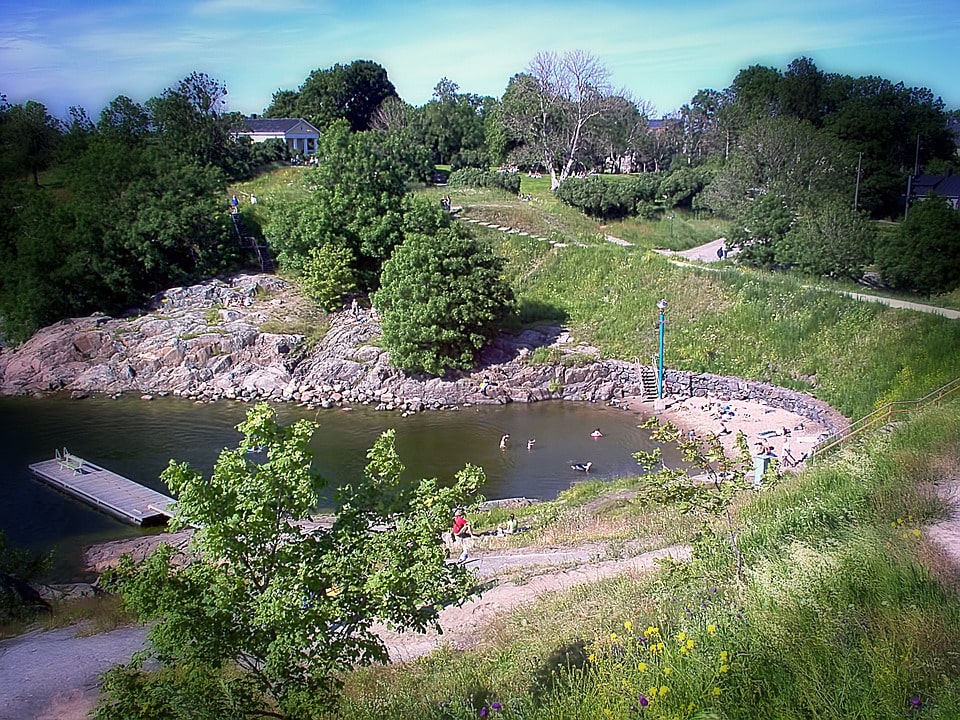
(86, 53)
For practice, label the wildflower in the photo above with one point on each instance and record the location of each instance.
(483, 712)
(716, 692)
(681, 636)
(592, 658)
(643, 701)
(915, 703)
(724, 668)
(495, 706)
(916, 532)
(712, 629)
(642, 667)
(724, 656)
(613, 636)
(667, 671)
(628, 625)
(663, 690)
(690, 644)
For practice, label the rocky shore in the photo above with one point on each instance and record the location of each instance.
(238, 339)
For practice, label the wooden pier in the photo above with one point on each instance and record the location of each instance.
(114, 494)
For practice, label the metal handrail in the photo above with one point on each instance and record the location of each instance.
(881, 417)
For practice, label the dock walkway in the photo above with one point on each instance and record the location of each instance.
(114, 494)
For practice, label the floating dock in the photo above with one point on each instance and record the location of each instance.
(114, 494)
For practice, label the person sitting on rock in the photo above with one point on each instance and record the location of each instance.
(461, 526)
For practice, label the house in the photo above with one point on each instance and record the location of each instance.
(946, 186)
(300, 136)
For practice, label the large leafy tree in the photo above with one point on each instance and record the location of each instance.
(265, 606)
(452, 126)
(354, 201)
(442, 298)
(342, 92)
(924, 254)
(552, 108)
(28, 140)
(828, 237)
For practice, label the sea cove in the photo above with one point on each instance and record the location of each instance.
(137, 438)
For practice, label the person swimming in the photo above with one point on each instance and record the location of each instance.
(504, 441)
(596, 433)
(582, 467)
(530, 443)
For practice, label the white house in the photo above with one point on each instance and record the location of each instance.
(299, 135)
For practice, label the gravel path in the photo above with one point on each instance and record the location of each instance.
(54, 675)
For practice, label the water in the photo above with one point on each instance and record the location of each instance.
(137, 439)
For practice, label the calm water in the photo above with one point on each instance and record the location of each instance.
(137, 439)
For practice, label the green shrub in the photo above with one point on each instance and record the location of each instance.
(480, 178)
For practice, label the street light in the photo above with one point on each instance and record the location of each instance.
(662, 307)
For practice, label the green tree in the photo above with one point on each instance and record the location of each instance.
(828, 238)
(354, 201)
(262, 609)
(706, 484)
(328, 274)
(923, 256)
(28, 140)
(442, 298)
(351, 92)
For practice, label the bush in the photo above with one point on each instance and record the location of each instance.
(479, 178)
(606, 199)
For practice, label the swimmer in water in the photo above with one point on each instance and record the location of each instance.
(504, 441)
(530, 443)
(582, 467)
(596, 433)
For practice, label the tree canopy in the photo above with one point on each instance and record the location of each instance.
(442, 298)
(262, 609)
(351, 92)
(923, 256)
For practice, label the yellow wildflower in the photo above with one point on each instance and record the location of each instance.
(724, 668)
(681, 636)
(712, 629)
(592, 658)
(613, 636)
(690, 644)
(716, 692)
(916, 532)
(667, 671)
(664, 690)
(642, 667)
(723, 656)
(628, 625)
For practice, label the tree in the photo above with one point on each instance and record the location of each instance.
(551, 108)
(257, 615)
(343, 92)
(828, 238)
(354, 201)
(191, 119)
(923, 256)
(28, 140)
(707, 484)
(442, 298)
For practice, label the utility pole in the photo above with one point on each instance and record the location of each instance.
(856, 193)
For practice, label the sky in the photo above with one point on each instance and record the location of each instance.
(64, 52)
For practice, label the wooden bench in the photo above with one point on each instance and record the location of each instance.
(69, 462)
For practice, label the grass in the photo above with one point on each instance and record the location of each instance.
(846, 610)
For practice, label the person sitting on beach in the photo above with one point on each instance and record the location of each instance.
(460, 527)
(509, 527)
